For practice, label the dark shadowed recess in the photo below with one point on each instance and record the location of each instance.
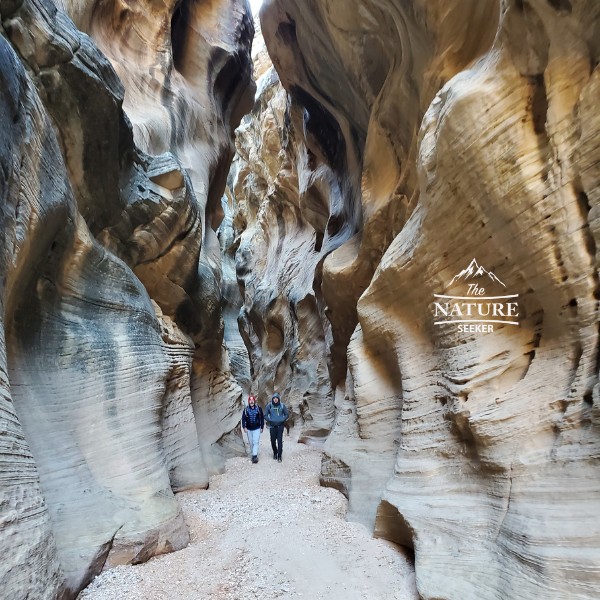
(179, 30)
(391, 525)
(230, 76)
(321, 127)
(233, 90)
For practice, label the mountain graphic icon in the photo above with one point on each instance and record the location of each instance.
(475, 270)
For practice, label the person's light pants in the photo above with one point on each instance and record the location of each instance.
(253, 440)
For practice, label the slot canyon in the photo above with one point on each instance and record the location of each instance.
(199, 202)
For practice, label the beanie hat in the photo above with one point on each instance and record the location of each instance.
(251, 398)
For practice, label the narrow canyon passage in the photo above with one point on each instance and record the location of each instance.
(267, 531)
(387, 211)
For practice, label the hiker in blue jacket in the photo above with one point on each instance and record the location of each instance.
(276, 415)
(253, 423)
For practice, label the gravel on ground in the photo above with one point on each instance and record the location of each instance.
(264, 531)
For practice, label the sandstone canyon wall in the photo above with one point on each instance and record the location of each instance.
(393, 142)
(410, 138)
(116, 383)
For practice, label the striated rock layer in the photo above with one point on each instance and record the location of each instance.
(450, 131)
(116, 388)
(28, 550)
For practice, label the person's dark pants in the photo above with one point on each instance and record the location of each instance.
(277, 439)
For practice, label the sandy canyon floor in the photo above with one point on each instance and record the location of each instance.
(267, 531)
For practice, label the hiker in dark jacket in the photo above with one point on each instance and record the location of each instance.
(253, 423)
(276, 415)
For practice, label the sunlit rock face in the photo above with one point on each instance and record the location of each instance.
(280, 213)
(116, 384)
(460, 130)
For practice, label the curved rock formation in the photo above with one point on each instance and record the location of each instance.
(28, 563)
(514, 412)
(456, 130)
(186, 71)
(116, 385)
